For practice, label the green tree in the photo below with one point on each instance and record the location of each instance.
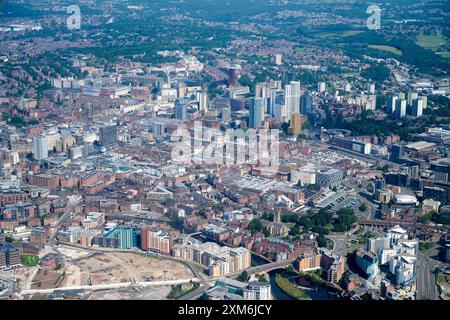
(346, 219)
(321, 241)
(255, 226)
(243, 277)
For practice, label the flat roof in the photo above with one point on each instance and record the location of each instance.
(420, 145)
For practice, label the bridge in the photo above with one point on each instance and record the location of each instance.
(263, 268)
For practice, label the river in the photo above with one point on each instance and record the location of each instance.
(314, 294)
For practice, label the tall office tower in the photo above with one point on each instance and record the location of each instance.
(296, 124)
(272, 101)
(371, 88)
(202, 99)
(392, 103)
(233, 75)
(278, 59)
(306, 105)
(181, 90)
(277, 84)
(411, 97)
(280, 112)
(292, 97)
(287, 98)
(262, 90)
(371, 103)
(181, 111)
(400, 108)
(276, 97)
(296, 94)
(417, 109)
(321, 87)
(259, 90)
(108, 135)
(40, 148)
(256, 107)
(425, 101)
(226, 114)
(397, 151)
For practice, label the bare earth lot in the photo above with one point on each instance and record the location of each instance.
(155, 293)
(116, 267)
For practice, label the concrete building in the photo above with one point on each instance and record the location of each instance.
(403, 268)
(9, 256)
(296, 124)
(220, 260)
(292, 93)
(180, 110)
(257, 291)
(368, 263)
(256, 111)
(447, 252)
(278, 59)
(392, 104)
(40, 148)
(417, 108)
(157, 241)
(108, 135)
(400, 109)
(321, 87)
(93, 220)
(306, 104)
(333, 265)
(125, 235)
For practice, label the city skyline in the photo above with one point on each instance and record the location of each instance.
(209, 150)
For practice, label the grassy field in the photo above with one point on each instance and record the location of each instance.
(352, 33)
(287, 287)
(354, 74)
(445, 55)
(337, 34)
(432, 42)
(300, 49)
(387, 49)
(424, 247)
(30, 260)
(440, 279)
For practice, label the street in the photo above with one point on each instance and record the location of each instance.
(426, 283)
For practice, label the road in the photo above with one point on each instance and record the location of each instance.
(111, 286)
(426, 283)
(340, 241)
(195, 294)
(10, 286)
(339, 244)
(58, 226)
